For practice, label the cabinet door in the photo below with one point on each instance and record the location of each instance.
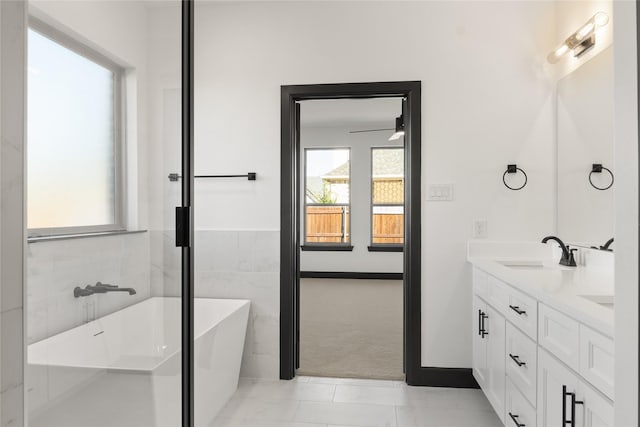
(479, 343)
(495, 326)
(553, 376)
(598, 410)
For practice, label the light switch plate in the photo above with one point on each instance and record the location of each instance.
(440, 192)
(480, 229)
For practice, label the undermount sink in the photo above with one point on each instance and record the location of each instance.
(523, 265)
(603, 300)
(532, 265)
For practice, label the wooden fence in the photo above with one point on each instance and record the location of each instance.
(388, 228)
(327, 224)
(330, 224)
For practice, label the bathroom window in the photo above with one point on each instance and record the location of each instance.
(327, 198)
(387, 197)
(74, 182)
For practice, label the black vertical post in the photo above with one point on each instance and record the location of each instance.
(187, 205)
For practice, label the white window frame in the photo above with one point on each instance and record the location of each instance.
(119, 142)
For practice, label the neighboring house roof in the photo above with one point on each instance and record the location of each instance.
(388, 163)
(340, 171)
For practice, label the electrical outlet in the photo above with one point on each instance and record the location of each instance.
(480, 229)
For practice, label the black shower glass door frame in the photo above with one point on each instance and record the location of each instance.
(184, 215)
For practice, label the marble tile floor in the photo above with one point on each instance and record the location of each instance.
(339, 402)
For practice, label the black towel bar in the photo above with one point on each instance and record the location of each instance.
(251, 176)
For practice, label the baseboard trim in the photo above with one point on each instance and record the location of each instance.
(349, 275)
(445, 377)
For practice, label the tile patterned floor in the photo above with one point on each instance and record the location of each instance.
(336, 402)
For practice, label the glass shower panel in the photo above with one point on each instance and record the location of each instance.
(103, 272)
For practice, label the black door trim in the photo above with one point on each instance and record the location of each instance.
(289, 216)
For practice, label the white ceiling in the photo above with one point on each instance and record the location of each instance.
(356, 113)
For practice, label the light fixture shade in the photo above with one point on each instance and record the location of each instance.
(396, 136)
(582, 39)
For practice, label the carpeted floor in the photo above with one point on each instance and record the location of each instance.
(351, 328)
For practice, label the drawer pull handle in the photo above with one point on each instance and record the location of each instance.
(517, 309)
(483, 330)
(574, 402)
(517, 360)
(515, 420)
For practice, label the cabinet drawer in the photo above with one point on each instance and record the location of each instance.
(597, 360)
(559, 334)
(522, 362)
(519, 412)
(520, 309)
(479, 279)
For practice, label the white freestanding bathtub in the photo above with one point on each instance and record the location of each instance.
(123, 370)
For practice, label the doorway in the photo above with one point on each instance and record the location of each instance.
(292, 239)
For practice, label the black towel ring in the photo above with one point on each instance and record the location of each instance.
(598, 168)
(514, 169)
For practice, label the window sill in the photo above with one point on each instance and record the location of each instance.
(327, 248)
(385, 248)
(37, 239)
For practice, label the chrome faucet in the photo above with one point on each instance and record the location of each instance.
(567, 253)
(100, 288)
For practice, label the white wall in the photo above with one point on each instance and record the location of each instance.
(585, 136)
(626, 228)
(12, 134)
(360, 259)
(487, 101)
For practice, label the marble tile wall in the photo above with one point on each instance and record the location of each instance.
(233, 264)
(56, 267)
(13, 18)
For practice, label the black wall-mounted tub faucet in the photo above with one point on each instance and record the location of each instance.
(100, 288)
(567, 258)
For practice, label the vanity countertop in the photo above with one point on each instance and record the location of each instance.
(559, 287)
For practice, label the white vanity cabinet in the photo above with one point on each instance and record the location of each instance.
(536, 364)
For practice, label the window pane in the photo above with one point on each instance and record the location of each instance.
(387, 194)
(71, 173)
(388, 224)
(327, 195)
(327, 224)
(388, 175)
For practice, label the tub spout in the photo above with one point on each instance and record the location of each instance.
(100, 288)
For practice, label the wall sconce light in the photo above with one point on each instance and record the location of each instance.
(399, 129)
(582, 40)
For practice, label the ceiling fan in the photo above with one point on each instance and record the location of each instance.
(398, 130)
